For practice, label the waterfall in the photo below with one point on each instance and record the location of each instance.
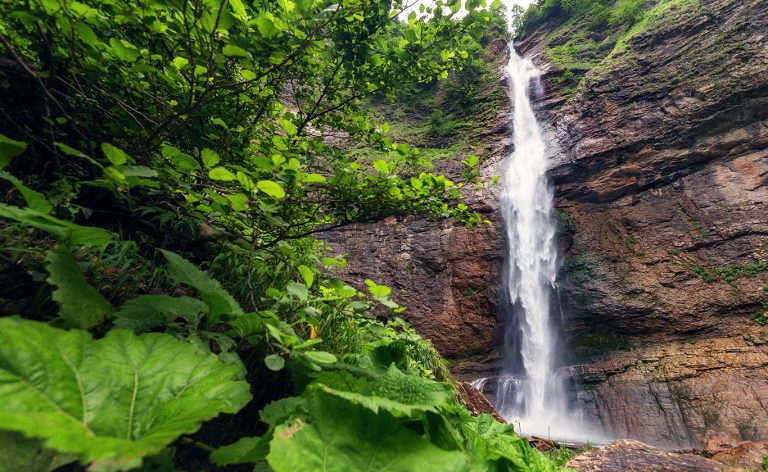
(530, 393)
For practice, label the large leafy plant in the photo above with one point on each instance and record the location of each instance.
(166, 167)
(111, 401)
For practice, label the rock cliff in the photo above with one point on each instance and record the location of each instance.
(660, 168)
(662, 178)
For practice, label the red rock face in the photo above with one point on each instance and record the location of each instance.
(443, 274)
(663, 183)
(661, 180)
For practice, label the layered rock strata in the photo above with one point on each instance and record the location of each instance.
(661, 178)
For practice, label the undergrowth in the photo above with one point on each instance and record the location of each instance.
(166, 169)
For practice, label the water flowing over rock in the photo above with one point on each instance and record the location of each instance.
(661, 199)
(537, 399)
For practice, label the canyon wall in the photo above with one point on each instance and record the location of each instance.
(660, 168)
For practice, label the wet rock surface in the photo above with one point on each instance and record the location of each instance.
(634, 456)
(661, 181)
(662, 184)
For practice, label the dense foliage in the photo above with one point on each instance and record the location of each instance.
(601, 13)
(165, 165)
(587, 36)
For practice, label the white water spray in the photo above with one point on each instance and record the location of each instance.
(533, 397)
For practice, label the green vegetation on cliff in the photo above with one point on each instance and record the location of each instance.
(164, 167)
(583, 35)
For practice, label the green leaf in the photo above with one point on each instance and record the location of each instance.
(281, 410)
(81, 305)
(307, 274)
(210, 157)
(298, 290)
(320, 357)
(244, 451)
(232, 50)
(185, 162)
(9, 149)
(377, 290)
(124, 50)
(221, 174)
(238, 9)
(139, 171)
(22, 454)
(212, 293)
(314, 179)
(115, 155)
(289, 127)
(340, 436)
(396, 392)
(145, 312)
(35, 200)
(266, 25)
(114, 400)
(63, 230)
(381, 166)
(238, 201)
(179, 62)
(70, 151)
(274, 362)
(271, 188)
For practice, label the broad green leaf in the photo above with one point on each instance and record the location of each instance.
(179, 62)
(266, 25)
(377, 290)
(210, 157)
(396, 392)
(238, 9)
(113, 400)
(145, 312)
(115, 155)
(222, 174)
(81, 305)
(271, 188)
(9, 149)
(307, 274)
(63, 230)
(244, 451)
(23, 454)
(182, 161)
(320, 357)
(70, 151)
(211, 292)
(138, 171)
(289, 127)
(281, 410)
(86, 34)
(232, 50)
(124, 50)
(35, 200)
(185, 163)
(238, 201)
(274, 362)
(381, 166)
(341, 436)
(314, 179)
(298, 290)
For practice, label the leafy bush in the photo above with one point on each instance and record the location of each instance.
(165, 170)
(627, 12)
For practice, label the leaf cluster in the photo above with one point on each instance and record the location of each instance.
(165, 166)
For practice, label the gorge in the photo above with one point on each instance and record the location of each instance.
(659, 174)
(391, 235)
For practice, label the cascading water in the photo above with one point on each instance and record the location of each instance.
(530, 392)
